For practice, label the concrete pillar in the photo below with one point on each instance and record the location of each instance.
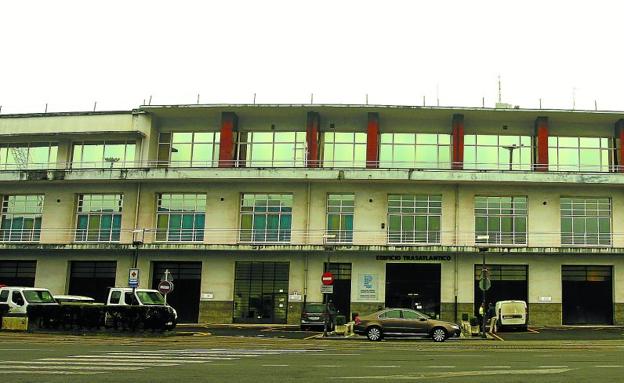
(372, 141)
(458, 141)
(312, 140)
(541, 144)
(229, 125)
(618, 156)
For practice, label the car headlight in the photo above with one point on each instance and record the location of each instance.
(454, 326)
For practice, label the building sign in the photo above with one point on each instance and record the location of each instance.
(327, 289)
(367, 287)
(545, 299)
(413, 258)
(295, 297)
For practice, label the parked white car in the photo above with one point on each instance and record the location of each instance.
(511, 314)
(126, 296)
(19, 298)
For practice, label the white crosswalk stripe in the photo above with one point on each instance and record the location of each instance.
(89, 364)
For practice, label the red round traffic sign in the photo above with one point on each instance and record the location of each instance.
(165, 287)
(327, 278)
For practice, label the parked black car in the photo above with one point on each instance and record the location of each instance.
(314, 314)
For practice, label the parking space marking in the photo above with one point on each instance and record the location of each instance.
(496, 366)
(99, 368)
(552, 366)
(441, 366)
(32, 372)
(88, 363)
(609, 366)
(390, 366)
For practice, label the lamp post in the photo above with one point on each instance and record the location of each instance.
(511, 148)
(329, 249)
(112, 161)
(484, 281)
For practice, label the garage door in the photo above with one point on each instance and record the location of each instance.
(92, 278)
(587, 293)
(18, 273)
(187, 287)
(509, 282)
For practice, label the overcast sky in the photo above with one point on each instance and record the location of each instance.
(118, 53)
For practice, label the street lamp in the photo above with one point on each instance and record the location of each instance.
(511, 148)
(329, 249)
(484, 282)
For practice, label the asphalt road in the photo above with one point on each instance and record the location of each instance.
(209, 358)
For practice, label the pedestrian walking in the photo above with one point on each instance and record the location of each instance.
(491, 316)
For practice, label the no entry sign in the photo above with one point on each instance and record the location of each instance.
(327, 278)
(165, 287)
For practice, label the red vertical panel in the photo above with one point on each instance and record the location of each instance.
(618, 156)
(229, 124)
(312, 140)
(458, 141)
(541, 133)
(372, 141)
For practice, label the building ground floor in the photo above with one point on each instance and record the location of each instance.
(265, 286)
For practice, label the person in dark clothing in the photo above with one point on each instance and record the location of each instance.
(491, 317)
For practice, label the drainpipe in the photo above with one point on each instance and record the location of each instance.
(307, 241)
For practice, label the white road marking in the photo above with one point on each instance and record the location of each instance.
(496, 366)
(199, 358)
(24, 349)
(52, 372)
(149, 354)
(328, 366)
(609, 366)
(142, 360)
(440, 366)
(88, 363)
(103, 368)
(451, 374)
(382, 366)
(552, 366)
(274, 365)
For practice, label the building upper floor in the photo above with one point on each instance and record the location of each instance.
(290, 141)
(279, 215)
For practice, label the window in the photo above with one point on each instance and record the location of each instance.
(497, 152)
(578, 154)
(586, 221)
(415, 150)
(344, 150)
(34, 155)
(98, 217)
(272, 149)
(340, 208)
(189, 149)
(414, 218)
(391, 314)
(115, 297)
(180, 217)
(501, 220)
(21, 218)
(261, 292)
(4, 296)
(266, 217)
(103, 154)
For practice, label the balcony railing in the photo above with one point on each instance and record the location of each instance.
(321, 237)
(398, 165)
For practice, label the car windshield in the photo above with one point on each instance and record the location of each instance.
(315, 308)
(38, 296)
(150, 297)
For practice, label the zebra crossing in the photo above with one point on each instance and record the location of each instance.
(116, 361)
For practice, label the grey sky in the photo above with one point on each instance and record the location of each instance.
(72, 53)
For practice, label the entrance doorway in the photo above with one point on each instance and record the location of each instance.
(509, 282)
(187, 287)
(92, 278)
(18, 273)
(342, 288)
(414, 285)
(261, 292)
(587, 295)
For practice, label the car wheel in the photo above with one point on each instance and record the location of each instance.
(438, 334)
(374, 333)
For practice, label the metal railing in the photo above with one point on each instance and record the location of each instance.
(228, 236)
(333, 164)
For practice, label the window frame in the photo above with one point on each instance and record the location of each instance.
(255, 235)
(432, 237)
(570, 238)
(393, 146)
(181, 234)
(341, 235)
(517, 238)
(25, 235)
(114, 234)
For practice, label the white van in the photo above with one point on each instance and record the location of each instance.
(19, 298)
(511, 314)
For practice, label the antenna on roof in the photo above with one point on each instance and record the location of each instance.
(0, 108)
(424, 103)
(94, 105)
(483, 102)
(254, 99)
(311, 98)
(595, 105)
(46, 108)
(198, 98)
(540, 102)
(573, 98)
(150, 100)
(500, 92)
(438, 93)
(366, 98)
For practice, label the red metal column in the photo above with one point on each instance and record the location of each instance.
(229, 125)
(618, 156)
(541, 144)
(372, 141)
(312, 140)
(458, 142)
